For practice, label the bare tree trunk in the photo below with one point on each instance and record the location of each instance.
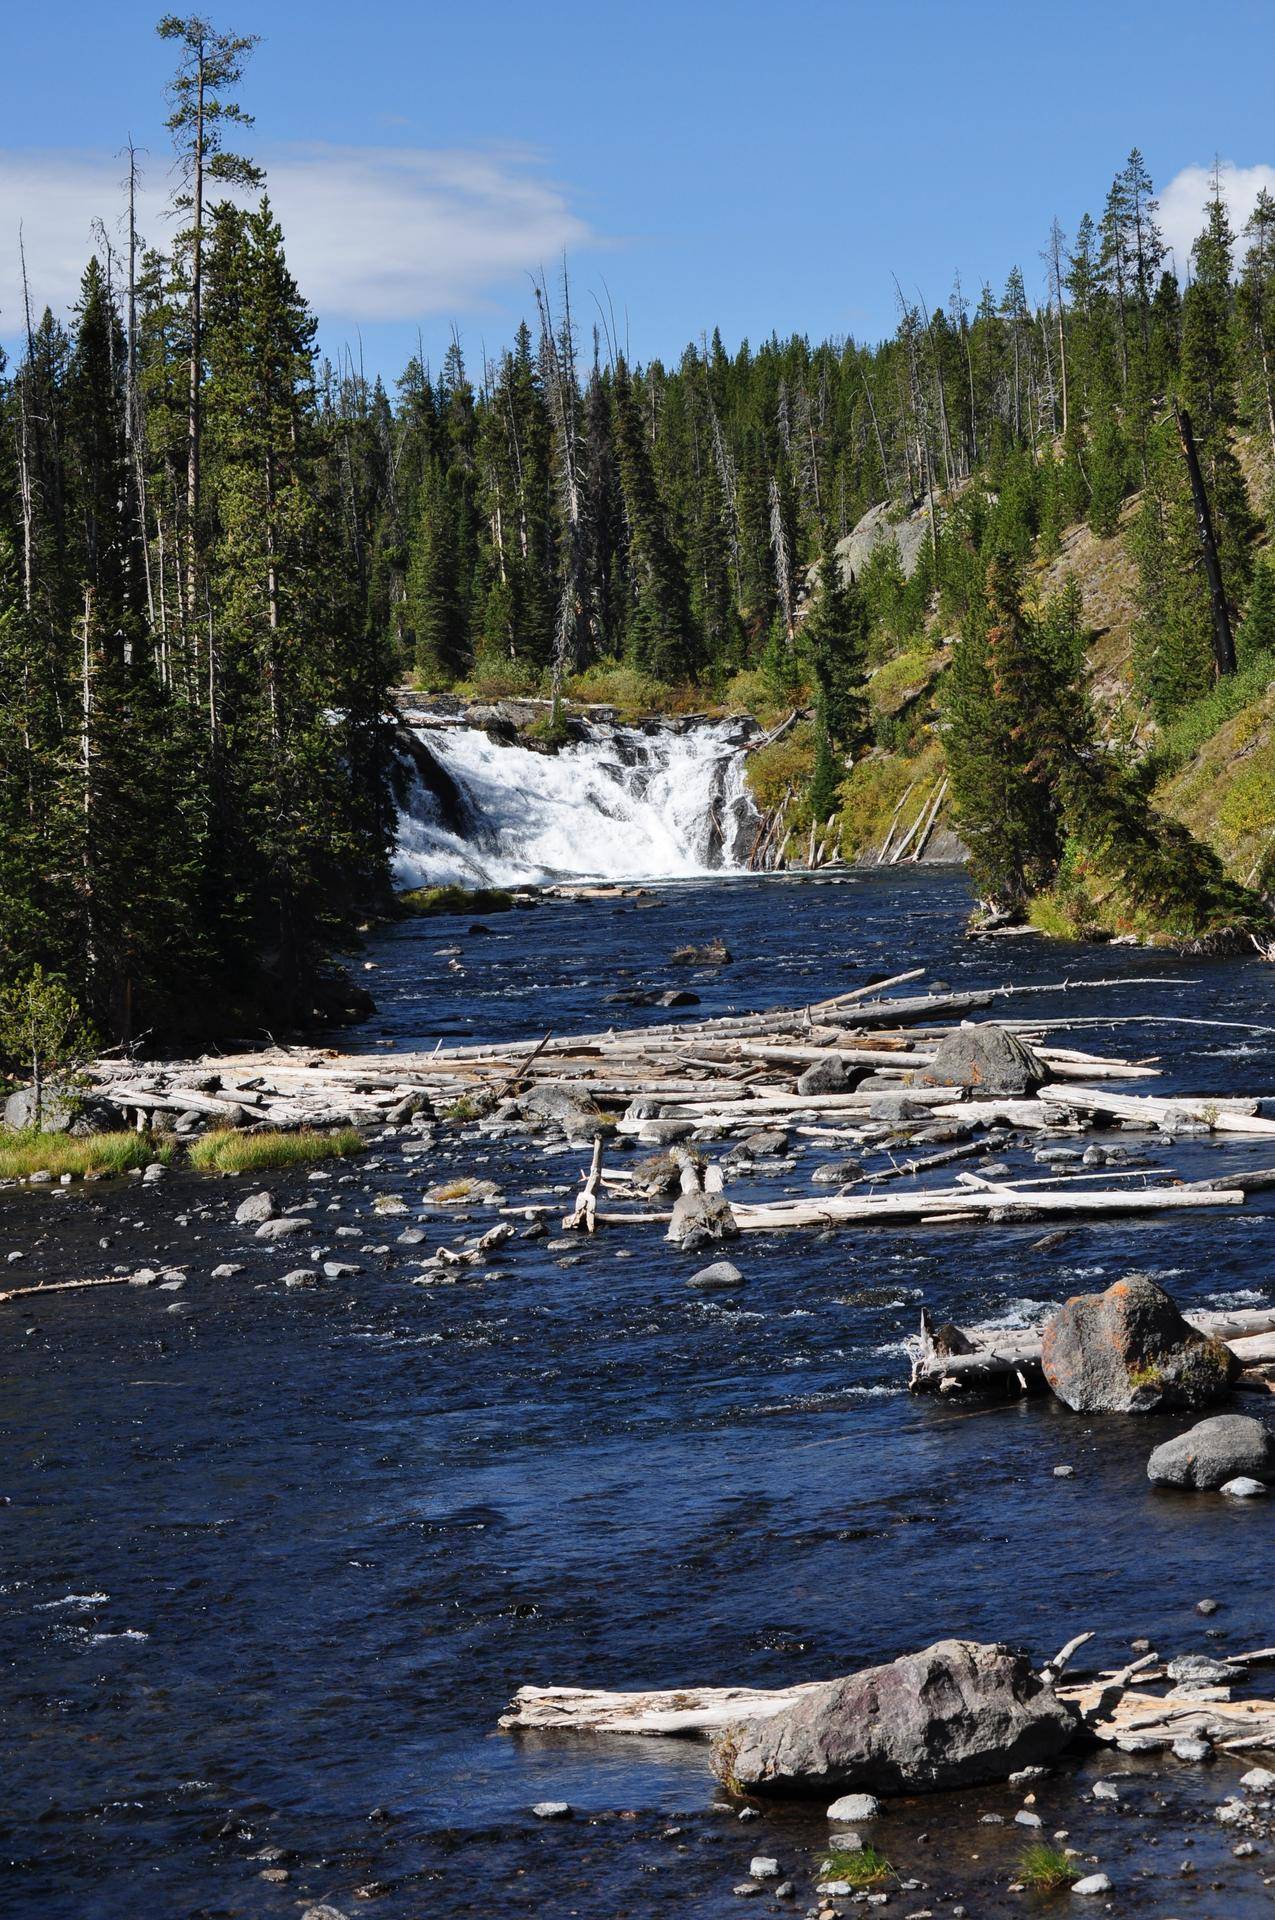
(1223, 640)
(196, 347)
(779, 548)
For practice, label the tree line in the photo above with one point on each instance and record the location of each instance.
(218, 552)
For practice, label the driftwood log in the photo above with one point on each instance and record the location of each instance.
(948, 1359)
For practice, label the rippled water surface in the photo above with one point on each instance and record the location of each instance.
(274, 1561)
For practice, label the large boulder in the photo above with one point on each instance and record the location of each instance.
(957, 1714)
(829, 1076)
(58, 1108)
(574, 1112)
(1207, 1455)
(987, 1059)
(700, 1218)
(1129, 1350)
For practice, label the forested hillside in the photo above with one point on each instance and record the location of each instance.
(217, 553)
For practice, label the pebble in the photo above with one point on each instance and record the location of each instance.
(552, 1809)
(1230, 1812)
(1244, 1487)
(226, 1271)
(1026, 1819)
(745, 1888)
(1092, 1883)
(1063, 1473)
(855, 1806)
(1244, 1849)
(300, 1277)
(340, 1269)
(1189, 1748)
(1258, 1780)
(763, 1867)
(786, 1890)
(1206, 1606)
(413, 1237)
(1103, 1790)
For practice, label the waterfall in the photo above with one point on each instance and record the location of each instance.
(618, 803)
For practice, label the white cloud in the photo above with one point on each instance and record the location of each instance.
(373, 233)
(1183, 201)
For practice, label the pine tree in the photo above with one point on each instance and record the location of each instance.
(1208, 390)
(1256, 636)
(835, 638)
(436, 618)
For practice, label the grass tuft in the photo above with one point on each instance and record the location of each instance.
(28, 1152)
(864, 1867)
(1047, 1869)
(226, 1151)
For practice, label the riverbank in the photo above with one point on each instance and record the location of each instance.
(288, 1551)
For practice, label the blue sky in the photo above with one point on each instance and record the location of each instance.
(742, 165)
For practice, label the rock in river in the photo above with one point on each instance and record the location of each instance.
(284, 1228)
(256, 1208)
(957, 1714)
(1207, 1455)
(699, 1218)
(722, 1273)
(1129, 1350)
(985, 1057)
(829, 1076)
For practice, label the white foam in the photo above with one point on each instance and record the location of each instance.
(620, 805)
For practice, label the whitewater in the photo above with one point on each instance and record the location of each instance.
(620, 804)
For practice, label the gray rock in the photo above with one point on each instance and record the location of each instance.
(410, 1237)
(659, 1133)
(766, 1141)
(1026, 1818)
(300, 1277)
(1104, 1790)
(284, 1228)
(574, 1112)
(155, 1171)
(1189, 1748)
(829, 1076)
(257, 1208)
(58, 1108)
(1214, 1451)
(1092, 1883)
(855, 1806)
(552, 1810)
(1199, 1670)
(987, 1059)
(897, 1108)
(226, 1271)
(835, 1173)
(763, 1867)
(956, 1714)
(722, 1273)
(699, 1219)
(340, 1269)
(323, 1912)
(1258, 1780)
(878, 524)
(1243, 1488)
(1129, 1350)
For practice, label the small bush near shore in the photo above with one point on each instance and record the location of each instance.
(864, 1867)
(1047, 1869)
(226, 1151)
(28, 1152)
(434, 900)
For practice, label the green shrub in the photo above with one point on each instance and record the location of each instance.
(429, 901)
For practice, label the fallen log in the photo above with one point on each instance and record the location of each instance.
(1003, 1203)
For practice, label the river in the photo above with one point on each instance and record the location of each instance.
(274, 1561)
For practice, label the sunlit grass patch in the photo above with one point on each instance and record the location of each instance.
(1047, 1869)
(862, 1867)
(226, 1151)
(429, 901)
(28, 1152)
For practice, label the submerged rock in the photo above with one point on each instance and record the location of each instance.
(986, 1058)
(1129, 1350)
(714, 954)
(835, 1173)
(1213, 1452)
(957, 1714)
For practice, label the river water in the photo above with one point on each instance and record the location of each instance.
(274, 1561)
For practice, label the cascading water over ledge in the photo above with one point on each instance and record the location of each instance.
(620, 803)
